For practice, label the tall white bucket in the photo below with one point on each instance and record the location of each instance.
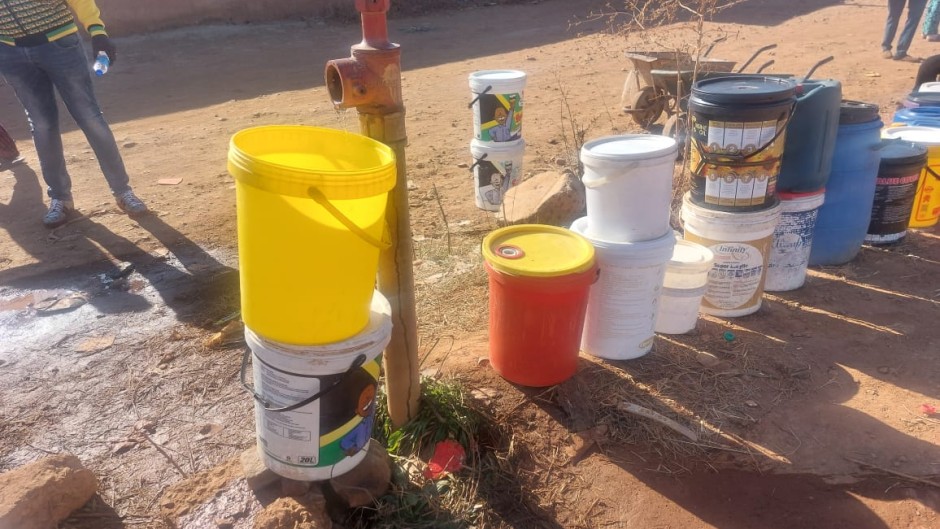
(497, 167)
(315, 405)
(683, 287)
(497, 104)
(793, 240)
(741, 244)
(622, 303)
(628, 186)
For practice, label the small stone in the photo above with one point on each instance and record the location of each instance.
(751, 403)
(43, 493)
(369, 480)
(463, 165)
(256, 474)
(483, 361)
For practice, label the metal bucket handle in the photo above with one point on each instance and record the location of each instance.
(740, 159)
(356, 364)
(478, 161)
(481, 94)
(320, 199)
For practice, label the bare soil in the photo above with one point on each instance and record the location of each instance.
(811, 416)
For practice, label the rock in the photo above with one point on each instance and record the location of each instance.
(546, 198)
(370, 479)
(42, 494)
(257, 475)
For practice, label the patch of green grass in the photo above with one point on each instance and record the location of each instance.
(414, 501)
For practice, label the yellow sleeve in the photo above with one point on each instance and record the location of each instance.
(88, 15)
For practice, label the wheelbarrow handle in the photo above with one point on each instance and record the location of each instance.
(817, 65)
(764, 66)
(712, 45)
(756, 53)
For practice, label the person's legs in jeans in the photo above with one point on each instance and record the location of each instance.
(915, 9)
(34, 90)
(895, 8)
(67, 67)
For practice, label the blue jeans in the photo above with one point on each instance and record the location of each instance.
(932, 18)
(36, 73)
(915, 8)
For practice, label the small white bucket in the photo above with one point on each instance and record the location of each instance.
(622, 303)
(497, 104)
(628, 186)
(683, 288)
(497, 167)
(741, 243)
(315, 405)
(792, 240)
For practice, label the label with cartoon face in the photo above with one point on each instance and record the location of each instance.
(492, 179)
(498, 117)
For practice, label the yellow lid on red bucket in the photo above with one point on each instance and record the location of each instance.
(537, 250)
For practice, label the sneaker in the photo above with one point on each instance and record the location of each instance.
(59, 213)
(907, 58)
(130, 204)
(887, 54)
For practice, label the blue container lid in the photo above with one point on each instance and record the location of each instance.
(853, 112)
(900, 152)
(924, 99)
(744, 89)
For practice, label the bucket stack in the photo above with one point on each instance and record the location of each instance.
(628, 189)
(311, 223)
(497, 147)
(738, 134)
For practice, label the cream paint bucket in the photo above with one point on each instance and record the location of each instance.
(741, 243)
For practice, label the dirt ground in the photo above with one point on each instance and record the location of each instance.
(813, 413)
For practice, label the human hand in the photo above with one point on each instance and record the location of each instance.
(101, 43)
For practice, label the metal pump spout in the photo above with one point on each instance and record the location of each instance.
(370, 81)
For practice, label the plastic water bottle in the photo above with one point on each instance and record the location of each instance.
(102, 62)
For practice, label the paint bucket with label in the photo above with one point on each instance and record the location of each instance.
(311, 223)
(628, 186)
(622, 306)
(926, 209)
(496, 167)
(902, 164)
(539, 277)
(793, 240)
(497, 104)
(843, 219)
(738, 135)
(315, 405)
(683, 287)
(741, 243)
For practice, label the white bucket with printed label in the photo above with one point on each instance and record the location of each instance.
(315, 405)
(792, 240)
(497, 167)
(622, 304)
(741, 243)
(497, 104)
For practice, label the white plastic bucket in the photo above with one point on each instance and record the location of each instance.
(792, 240)
(330, 435)
(497, 167)
(622, 303)
(497, 104)
(741, 243)
(683, 287)
(628, 186)
(930, 86)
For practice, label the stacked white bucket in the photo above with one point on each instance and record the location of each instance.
(628, 191)
(315, 404)
(497, 146)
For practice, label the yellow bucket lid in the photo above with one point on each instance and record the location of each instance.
(537, 250)
(292, 159)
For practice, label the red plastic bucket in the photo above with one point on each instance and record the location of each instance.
(539, 279)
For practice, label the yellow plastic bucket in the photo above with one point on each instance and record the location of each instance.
(311, 223)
